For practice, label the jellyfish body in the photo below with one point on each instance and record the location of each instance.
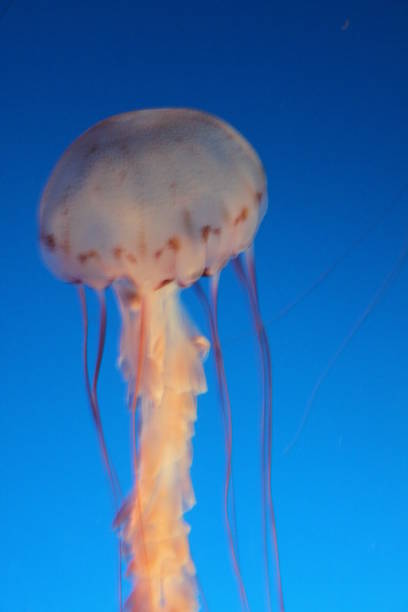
(151, 196)
(148, 202)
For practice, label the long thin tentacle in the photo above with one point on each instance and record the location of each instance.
(91, 392)
(227, 419)
(266, 421)
(228, 431)
(396, 269)
(93, 402)
(101, 345)
(263, 432)
(376, 223)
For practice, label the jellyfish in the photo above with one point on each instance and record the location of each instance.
(147, 203)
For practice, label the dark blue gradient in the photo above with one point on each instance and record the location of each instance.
(320, 90)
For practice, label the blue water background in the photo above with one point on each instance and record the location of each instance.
(320, 90)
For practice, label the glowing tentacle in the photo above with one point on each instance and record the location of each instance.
(227, 419)
(266, 426)
(93, 402)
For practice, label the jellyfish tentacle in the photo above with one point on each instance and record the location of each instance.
(228, 433)
(268, 413)
(263, 429)
(249, 282)
(113, 477)
(387, 281)
(91, 391)
(227, 420)
(377, 222)
(93, 402)
(101, 342)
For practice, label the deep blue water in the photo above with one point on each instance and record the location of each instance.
(320, 90)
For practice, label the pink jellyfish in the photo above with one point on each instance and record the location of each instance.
(148, 202)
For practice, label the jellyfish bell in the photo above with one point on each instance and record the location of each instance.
(148, 202)
(152, 196)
